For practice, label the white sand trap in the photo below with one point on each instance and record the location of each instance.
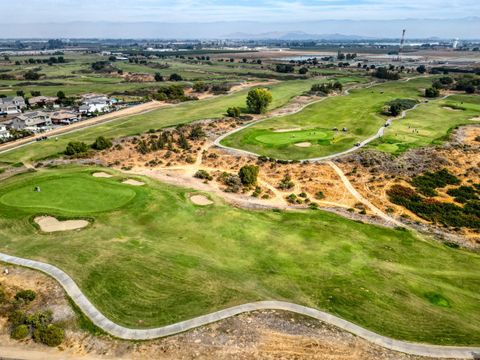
(101, 174)
(133, 182)
(51, 224)
(451, 108)
(287, 130)
(475, 118)
(304, 144)
(201, 200)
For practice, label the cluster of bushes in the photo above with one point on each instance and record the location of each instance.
(103, 67)
(468, 83)
(39, 325)
(284, 68)
(429, 209)
(80, 149)
(286, 183)
(171, 93)
(327, 88)
(165, 139)
(427, 183)
(395, 107)
(384, 73)
(464, 194)
(300, 199)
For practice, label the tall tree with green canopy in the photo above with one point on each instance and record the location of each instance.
(258, 100)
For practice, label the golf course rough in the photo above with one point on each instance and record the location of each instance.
(156, 258)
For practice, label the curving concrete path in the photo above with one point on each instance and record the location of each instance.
(145, 334)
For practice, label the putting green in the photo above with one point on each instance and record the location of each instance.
(273, 138)
(80, 194)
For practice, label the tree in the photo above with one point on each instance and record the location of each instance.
(159, 77)
(35, 93)
(233, 111)
(101, 143)
(183, 142)
(248, 174)
(20, 93)
(31, 75)
(421, 69)
(395, 109)
(303, 71)
(175, 77)
(432, 92)
(60, 95)
(258, 100)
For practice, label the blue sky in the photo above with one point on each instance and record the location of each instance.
(24, 11)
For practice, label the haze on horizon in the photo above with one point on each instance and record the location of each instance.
(219, 18)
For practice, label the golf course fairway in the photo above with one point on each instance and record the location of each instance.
(151, 257)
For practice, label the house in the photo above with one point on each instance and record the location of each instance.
(93, 103)
(4, 133)
(64, 117)
(12, 105)
(32, 120)
(42, 100)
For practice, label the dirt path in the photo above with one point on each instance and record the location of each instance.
(348, 185)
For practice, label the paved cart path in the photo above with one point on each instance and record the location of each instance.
(144, 334)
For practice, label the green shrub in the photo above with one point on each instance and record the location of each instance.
(50, 335)
(76, 148)
(248, 174)
(17, 317)
(202, 174)
(320, 195)
(20, 332)
(432, 92)
(463, 194)
(101, 143)
(39, 319)
(26, 295)
(233, 111)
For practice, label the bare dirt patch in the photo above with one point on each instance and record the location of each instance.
(51, 224)
(304, 144)
(101, 174)
(287, 130)
(475, 118)
(201, 200)
(133, 182)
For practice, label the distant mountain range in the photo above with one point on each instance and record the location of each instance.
(295, 35)
(466, 28)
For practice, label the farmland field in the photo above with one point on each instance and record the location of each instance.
(155, 258)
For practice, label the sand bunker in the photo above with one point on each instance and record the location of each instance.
(133, 182)
(451, 108)
(475, 118)
(201, 200)
(51, 224)
(303, 144)
(287, 130)
(101, 174)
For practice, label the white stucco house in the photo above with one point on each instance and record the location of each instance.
(12, 105)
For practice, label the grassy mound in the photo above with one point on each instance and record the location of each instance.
(160, 259)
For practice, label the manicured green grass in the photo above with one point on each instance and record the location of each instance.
(177, 114)
(159, 259)
(360, 112)
(69, 194)
(429, 124)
